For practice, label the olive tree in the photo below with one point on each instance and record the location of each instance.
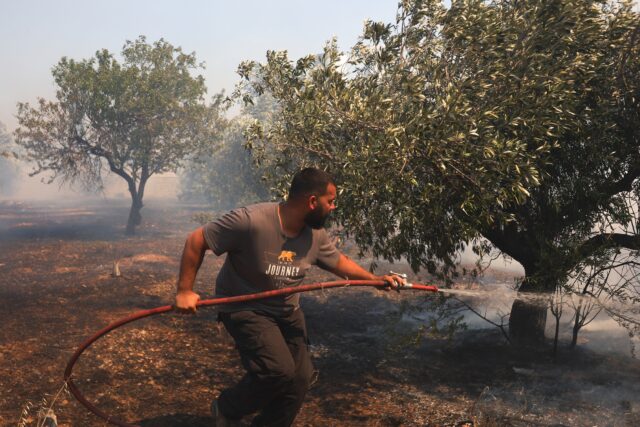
(134, 118)
(509, 122)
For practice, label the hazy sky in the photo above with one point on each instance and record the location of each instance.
(35, 34)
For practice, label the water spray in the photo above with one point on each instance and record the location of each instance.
(210, 302)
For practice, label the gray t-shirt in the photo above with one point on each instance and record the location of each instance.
(261, 258)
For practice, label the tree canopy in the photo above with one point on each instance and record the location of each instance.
(515, 121)
(135, 118)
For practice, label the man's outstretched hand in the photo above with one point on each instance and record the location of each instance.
(395, 282)
(186, 301)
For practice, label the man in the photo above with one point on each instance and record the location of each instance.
(269, 246)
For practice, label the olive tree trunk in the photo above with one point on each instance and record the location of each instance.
(528, 318)
(135, 218)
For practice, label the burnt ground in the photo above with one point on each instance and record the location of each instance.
(56, 289)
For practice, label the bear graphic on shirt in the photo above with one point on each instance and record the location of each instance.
(286, 256)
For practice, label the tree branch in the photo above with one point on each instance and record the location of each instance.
(512, 243)
(624, 183)
(101, 152)
(609, 240)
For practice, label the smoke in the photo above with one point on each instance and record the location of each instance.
(490, 302)
(226, 176)
(22, 187)
(8, 173)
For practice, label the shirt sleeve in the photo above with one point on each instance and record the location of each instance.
(328, 255)
(227, 233)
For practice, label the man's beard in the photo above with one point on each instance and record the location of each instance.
(316, 219)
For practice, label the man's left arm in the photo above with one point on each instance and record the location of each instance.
(350, 270)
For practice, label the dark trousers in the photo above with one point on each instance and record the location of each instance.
(274, 353)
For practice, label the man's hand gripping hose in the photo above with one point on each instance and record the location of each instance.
(401, 284)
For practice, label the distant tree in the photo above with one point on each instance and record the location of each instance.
(7, 167)
(5, 141)
(136, 118)
(225, 177)
(513, 121)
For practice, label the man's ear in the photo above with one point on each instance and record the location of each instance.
(313, 202)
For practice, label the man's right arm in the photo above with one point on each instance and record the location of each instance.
(192, 256)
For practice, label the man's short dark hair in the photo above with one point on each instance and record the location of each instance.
(310, 181)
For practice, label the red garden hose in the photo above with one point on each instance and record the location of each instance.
(217, 301)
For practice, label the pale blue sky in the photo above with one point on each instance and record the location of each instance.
(35, 34)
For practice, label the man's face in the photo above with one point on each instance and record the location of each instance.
(324, 205)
